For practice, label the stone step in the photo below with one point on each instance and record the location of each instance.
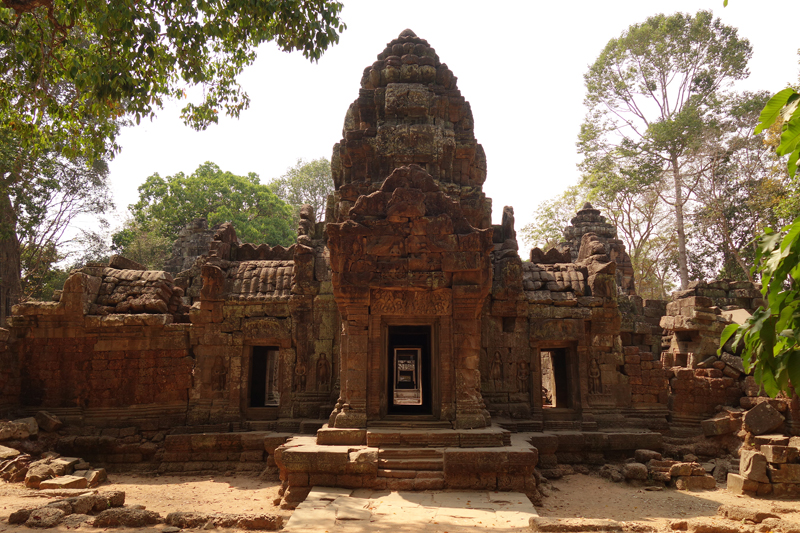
(411, 464)
(409, 474)
(410, 453)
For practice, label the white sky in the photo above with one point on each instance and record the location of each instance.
(519, 64)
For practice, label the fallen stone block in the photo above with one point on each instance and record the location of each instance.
(20, 516)
(762, 418)
(48, 422)
(65, 482)
(634, 471)
(38, 473)
(741, 485)
(572, 525)
(719, 425)
(45, 517)
(13, 430)
(753, 465)
(30, 422)
(645, 456)
(707, 525)
(736, 513)
(127, 517)
(8, 453)
(695, 483)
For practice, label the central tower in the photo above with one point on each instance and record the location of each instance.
(409, 232)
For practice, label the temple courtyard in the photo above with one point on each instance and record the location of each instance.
(577, 502)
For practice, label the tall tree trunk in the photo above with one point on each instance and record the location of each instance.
(683, 267)
(10, 286)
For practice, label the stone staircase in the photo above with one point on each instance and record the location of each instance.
(411, 468)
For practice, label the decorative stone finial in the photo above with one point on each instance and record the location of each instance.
(407, 33)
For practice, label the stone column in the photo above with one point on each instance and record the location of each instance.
(470, 408)
(351, 408)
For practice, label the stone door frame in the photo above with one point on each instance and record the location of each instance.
(379, 358)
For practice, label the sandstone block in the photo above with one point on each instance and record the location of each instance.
(739, 484)
(695, 483)
(634, 471)
(48, 422)
(753, 466)
(65, 482)
(45, 517)
(784, 473)
(762, 418)
(127, 517)
(719, 425)
(645, 456)
(779, 454)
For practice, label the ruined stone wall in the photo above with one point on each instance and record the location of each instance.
(192, 242)
(257, 296)
(9, 375)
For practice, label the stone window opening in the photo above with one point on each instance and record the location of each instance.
(556, 382)
(264, 377)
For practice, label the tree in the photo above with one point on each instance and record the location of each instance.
(62, 191)
(70, 71)
(649, 94)
(771, 336)
(551, 217)
(741, 187)
(147, 246)
(167, 204)
(306, 183)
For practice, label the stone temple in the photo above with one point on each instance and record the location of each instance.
(403, 343)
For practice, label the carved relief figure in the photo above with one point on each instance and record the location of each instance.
(300, 371)
(323, 370)
(496, 371)
(523, 375)
(220, 375)
(595, 383)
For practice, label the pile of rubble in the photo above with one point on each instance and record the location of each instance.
(51, 470)
(770, 468)
(108, 509)
(649, 466)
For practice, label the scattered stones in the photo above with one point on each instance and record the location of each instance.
(128, 517)
(634, 472)
(572, 525)
(738, 514)
(45, 517)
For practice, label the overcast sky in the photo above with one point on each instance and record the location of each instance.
(519, 64)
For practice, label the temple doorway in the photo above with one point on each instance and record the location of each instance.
(556, 379)
(263, 390)
(409, 376)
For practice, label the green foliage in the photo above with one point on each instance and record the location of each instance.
(145, 245)
(771, 337)
(651, 94)
(127, 57)
(305, 183)
(551, 217)
(784, 107)
(167, 204)
(740, 188)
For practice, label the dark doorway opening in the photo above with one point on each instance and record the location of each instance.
(410, 386)
(556, 382)
(263, 376)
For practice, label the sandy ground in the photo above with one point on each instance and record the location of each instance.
(586, 496)
(573, 496)
(165, 494)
